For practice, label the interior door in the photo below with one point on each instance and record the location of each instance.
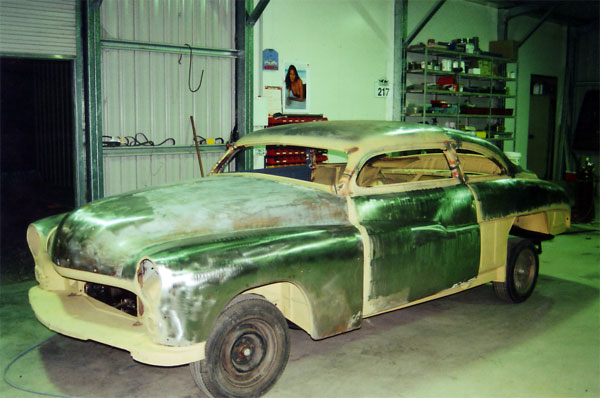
(422, 229)
(542, 115)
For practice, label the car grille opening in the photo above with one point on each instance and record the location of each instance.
(120, 299)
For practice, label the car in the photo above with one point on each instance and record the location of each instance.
(315, 225)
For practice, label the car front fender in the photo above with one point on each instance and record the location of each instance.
(200, 276)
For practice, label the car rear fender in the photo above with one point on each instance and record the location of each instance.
(504, 197)
(525, 207)
(542, 225)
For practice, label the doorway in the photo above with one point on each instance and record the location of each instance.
(542, 123)
(36, 155)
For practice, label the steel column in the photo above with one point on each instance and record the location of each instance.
(562, 150)
(399, 95)
(504, 17)
(257, 12)
(539, 23)
(240, 67)
(502, 25)
(78, 113)
(243, 74)
(434, 9)
(249, 69)
(93, 108)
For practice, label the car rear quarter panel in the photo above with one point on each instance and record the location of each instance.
(503, 203)
(512, 197)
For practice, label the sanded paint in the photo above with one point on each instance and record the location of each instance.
(109, 236)
(200, 276)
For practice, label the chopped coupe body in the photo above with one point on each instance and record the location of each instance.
(381, 215)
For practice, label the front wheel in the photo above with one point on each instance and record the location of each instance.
(522, 269)
(246, 352)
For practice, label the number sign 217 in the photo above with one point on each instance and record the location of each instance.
(382, 90)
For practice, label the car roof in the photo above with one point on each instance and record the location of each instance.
(367, 137)
(350, 136)
(363, 136)
(338, 135)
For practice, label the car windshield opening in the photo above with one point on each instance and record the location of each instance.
(321, 166)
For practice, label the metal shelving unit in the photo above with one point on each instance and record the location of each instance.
(486, 109)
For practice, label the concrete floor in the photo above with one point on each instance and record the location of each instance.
(466, 345)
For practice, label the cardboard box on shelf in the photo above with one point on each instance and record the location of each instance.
(507, 48)
(480, 67)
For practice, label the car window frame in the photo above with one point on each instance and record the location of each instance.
(488, 153)
(336, 189)
(448, 145)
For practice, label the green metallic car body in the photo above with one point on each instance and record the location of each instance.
(328, 252)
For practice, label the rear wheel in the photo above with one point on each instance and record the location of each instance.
(246, 351)
(522, 269)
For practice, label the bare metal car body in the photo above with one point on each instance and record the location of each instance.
(412, 214)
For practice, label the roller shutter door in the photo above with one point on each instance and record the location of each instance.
(37, 27)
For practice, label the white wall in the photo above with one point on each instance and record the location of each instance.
(455, 19)
(348, 45)
(544, 53)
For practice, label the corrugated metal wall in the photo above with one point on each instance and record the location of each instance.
(201, 23)
(147, 92)
(37, 27)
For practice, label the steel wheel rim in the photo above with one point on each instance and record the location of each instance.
(249, 353)
(524, 272)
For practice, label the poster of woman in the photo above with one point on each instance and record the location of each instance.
(296, 93)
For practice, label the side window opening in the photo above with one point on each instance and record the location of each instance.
(403, 167)
(321, 166)
(476, 164)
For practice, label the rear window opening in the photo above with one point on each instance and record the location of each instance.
(474, 164)
(321, 166)
(120, 299)
(423, 165)
(403, 167)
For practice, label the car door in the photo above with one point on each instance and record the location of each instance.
(421, 225)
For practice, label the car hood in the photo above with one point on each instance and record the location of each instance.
(107, 235)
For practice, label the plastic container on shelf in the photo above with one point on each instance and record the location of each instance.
(514, 157)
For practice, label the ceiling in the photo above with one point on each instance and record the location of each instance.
(572, 13)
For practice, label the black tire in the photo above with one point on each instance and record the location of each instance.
(522, 267)
(246, 351)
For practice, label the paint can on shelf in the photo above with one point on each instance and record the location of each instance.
(446, 65)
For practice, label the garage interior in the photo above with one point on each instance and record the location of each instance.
(101, 97)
